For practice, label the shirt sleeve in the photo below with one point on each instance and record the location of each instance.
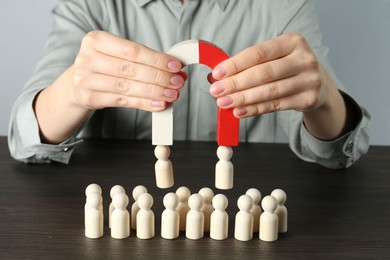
(72, 20)
(24, 141)
(337, 154)
(346, 150)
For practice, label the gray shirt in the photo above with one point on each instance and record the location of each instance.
(231, 25)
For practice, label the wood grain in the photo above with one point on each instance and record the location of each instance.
(332, 214)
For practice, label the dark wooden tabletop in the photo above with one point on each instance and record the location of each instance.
(332, 214)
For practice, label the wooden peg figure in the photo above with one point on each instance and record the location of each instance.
(135, 208)
(94, 188)
(256, 209)
(145, 217)
(207, 195)
(281, 210)
(269, 220)
(195, 218)
(114, 190)
(243, 228)
(163, 167)
(219, 221)
(170, 217)
(183, 193)
(93, 215)
(224, 168)
(120, 218)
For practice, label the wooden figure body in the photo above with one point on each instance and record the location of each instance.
(207, 195)
(114, 190)
(134, 207)
(170, 218)
(163, 167)
(183, 193)
(145, 217)
(243, 228)
(93, 215)
(269, 220)
(256, 209)
(281, 210)
(219, 221)
(195, 218)
(224, 169)
(120, 217)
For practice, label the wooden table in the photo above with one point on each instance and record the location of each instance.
(332, 214)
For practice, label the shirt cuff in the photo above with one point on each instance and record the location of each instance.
(24, 140)
(59, 153)
(344, 151)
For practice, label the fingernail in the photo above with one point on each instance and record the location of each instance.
(170, 93)
(216, 89)
(224, 101)
(174, 66)
(219, 73)
(210, 78)
(239, 112)
(183, 74)
(177, 81)
(158, 103)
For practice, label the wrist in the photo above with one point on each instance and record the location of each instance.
(57, 113)
(329, 119)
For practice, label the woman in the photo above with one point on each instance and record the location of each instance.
(104, 70)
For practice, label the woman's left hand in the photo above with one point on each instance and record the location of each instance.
(280, 74)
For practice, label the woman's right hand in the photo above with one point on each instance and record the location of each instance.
(110, 71)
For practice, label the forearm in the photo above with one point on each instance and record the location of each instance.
(57, 114)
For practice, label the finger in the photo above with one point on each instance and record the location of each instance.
(270, 50)
(257, 75)
(302, 101)
(127, 87)
(267, 92)
(275, 105)
(183, 74)
(116, 46)
(98, 100)
(116, 67)
(210, 78)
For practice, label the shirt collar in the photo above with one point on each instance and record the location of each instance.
(222, 3)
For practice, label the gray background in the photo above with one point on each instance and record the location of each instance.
(357, 32)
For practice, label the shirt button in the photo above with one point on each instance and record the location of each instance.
(349, 147)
